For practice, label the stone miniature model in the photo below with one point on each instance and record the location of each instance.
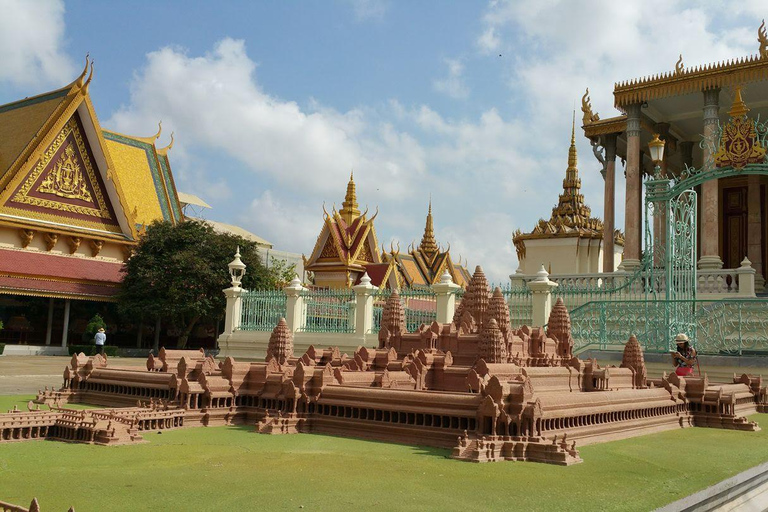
(476, 385)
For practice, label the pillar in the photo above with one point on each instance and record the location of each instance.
(445, 295)
(710, 192)
(541, 289)
(234, 309)
(755, 230)
(746, 275)
(632, 216)
(609, 205)
(364, 293)
(295, 312)
(49, 328)
(66, 323)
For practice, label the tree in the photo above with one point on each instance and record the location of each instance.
(178, 273)
(94, 324)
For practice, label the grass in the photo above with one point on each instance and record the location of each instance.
(232, 468)
(8, 401)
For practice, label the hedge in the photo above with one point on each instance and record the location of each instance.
(90, 350)
(2, 347)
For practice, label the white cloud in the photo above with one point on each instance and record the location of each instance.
(453, 85)
(31, 41)
(214, 102)
(288, 224)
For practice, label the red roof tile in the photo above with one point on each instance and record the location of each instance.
(44, 266)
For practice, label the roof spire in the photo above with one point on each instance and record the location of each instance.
(428, 244)
(349, 210)
(739, 108)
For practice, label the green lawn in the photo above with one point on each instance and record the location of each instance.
(232, 468)
(8, 401)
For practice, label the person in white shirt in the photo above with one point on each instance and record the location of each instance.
(101, 339)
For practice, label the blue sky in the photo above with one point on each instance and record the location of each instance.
(274, 103)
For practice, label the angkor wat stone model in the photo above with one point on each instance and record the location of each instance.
(475, 385)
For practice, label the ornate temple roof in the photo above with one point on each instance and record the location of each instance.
(55, 168)
(146, 172)
(423, 265)
(571, 217)
(347, 241)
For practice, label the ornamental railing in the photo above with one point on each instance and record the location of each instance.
(730, 326)
(261, 310)
(329, 310)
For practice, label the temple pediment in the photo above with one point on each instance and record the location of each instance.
(64, 185)
(63, 177)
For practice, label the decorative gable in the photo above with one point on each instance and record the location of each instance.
(64, 185)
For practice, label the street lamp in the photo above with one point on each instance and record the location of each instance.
(657, 154)
(236, 269)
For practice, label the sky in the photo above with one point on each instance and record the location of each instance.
(273, 104)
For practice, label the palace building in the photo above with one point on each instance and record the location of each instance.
(681, 105)
(347, 248)
(571, 241)
(73, 200)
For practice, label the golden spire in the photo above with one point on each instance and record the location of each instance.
(428, 244)
(349, 211)
(739, 108)
(572, 183)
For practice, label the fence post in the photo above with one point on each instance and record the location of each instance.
(445, 297)
(295, 312)
(746, 279)
(364, 293)
(516, 279)
(234, 294)
(541, 289)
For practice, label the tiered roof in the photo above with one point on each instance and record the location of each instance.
(571, 217)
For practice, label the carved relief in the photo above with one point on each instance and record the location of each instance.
(739, 144)
(74, 244)
(96, 246)
(26, 237)
(50, 240)
(66, 179)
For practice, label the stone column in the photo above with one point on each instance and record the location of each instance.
(445, 295)
(233, 313)
(66, 323)
(609, 206)
(634, 194)
(295, 312)
(49, 328)
(710, 192)
(364, 293)
(541, 288)
(755, 230)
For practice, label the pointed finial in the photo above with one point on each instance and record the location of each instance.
(84, 90)
(428, 243)
(80, 79)
(349, 210)
(739, 108)
(166, 148)
(679, 65)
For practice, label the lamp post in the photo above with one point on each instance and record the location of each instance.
(236, 269)
(657, 154)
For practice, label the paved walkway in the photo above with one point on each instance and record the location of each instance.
(21, 375)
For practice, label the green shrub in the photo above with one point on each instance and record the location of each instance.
(2, 347)
(90, 350)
